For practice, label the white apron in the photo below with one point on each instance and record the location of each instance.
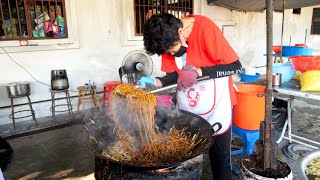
(209, 99)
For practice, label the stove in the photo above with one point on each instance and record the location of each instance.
(188, 170)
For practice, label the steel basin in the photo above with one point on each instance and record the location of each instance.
(303, 161)
(18, 89)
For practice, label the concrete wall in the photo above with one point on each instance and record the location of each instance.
(101, 35)
(246, 31)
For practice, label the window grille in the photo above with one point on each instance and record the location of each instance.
(32, 19)
(315, 23)
(144, 9)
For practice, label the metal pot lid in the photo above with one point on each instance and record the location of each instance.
(18, 83)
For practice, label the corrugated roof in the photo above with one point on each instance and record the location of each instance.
(260, 5)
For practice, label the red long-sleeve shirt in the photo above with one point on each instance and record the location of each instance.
(206, 47)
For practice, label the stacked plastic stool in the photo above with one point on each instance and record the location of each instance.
(249, 137)
(108, 86)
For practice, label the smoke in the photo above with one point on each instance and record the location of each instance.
(100, 128)
(118, 127)
(163, 122)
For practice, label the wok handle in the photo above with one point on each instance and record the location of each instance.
(219, 127)
(175, 85)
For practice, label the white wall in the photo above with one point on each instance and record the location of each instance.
(248, 35)
(104, 40)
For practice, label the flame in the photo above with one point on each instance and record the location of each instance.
(164, 170)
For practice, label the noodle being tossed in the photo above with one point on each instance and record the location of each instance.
(138, 139)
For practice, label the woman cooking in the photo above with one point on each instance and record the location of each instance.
(192, 47)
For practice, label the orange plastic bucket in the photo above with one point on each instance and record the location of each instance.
(250, 110)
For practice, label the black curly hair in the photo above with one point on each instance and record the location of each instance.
(161, 33)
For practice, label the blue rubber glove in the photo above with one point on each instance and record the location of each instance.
(146, 80)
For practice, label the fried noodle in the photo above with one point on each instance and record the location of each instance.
(138, 139)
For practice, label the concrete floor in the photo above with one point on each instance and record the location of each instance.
(54, 152)
(59, 154)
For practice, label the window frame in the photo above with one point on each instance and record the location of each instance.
(128, 37)
(27, 6)
(72, 42)
(296, 11)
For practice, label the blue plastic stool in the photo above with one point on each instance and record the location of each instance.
(249, 137)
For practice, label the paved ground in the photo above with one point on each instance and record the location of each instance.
(58, 154)
(62, 153)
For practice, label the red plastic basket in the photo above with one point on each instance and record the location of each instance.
(305, 63)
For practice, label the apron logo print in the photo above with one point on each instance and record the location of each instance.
(193, 98)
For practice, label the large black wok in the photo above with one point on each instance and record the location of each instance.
(102, 129)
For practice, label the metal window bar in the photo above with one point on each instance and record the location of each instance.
(56, 10)
(2, 16)
(179, 8)
(19, 20)
(139, 12)
(10, 14)
(22, 28)
(65, 28)
(27, 18)
(36, 18)
(144, 13)
(152, 7)
(135, 16)
(44, 18)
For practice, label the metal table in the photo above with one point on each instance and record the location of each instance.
(292, 89)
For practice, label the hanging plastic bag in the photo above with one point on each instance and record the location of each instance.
(55, 29)
(47, 26)
(310, 80)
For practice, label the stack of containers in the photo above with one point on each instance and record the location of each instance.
(286, 69)
(310, 68)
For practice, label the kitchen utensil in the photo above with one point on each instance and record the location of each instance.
(292, 50)
(276, 79)
(304, 45)
(290, 41)
(135, 65)
(175, 85)
(285, 69)
(276, 49)
(249, 78)
(59, 79)
(305, 37)
(18, 89)
(103, 132)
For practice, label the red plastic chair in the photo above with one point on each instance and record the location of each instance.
(108, 86)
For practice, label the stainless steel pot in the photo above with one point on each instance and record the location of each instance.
(304, 160)
(18, 89)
